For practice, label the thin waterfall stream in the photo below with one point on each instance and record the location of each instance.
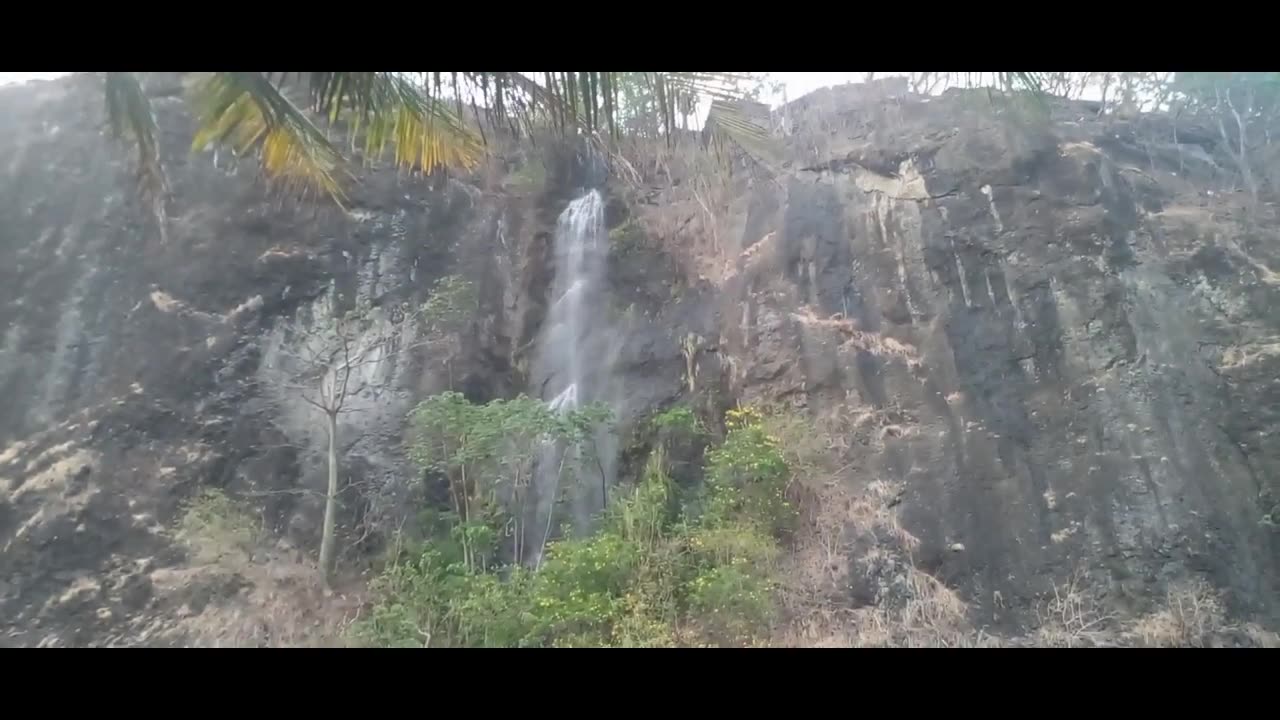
(573, 367)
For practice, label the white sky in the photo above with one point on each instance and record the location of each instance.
(13, 77)
(803, 83)
(798, 83)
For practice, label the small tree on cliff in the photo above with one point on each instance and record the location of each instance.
(340, 359)
(453, 303)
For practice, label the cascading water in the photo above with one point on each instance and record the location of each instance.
(573, 368)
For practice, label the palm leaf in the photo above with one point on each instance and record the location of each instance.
(252, 111)
(426, 133)
(730, 121)
(129, 115)
(392, 109)
(248, 112)
(719, 85)
(1029, 81)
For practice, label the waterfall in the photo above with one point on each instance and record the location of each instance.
(572, 368)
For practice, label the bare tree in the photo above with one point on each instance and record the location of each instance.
(343, 358)
(339, 360)
(1241, 157)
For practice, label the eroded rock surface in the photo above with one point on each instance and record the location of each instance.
(1070, 346)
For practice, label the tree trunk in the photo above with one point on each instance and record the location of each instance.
(330, 502)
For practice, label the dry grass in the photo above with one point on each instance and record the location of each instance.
(283, 602)
(837, 439)
(877, 344)
(818, 571)
(218, 530)
(1193, 616)
(882, 346)
(1236, 358)
(753, 261)
(933, 616)
(283, 605)
(851, 537)
(1259, 637)
(1193, 613)
(819, 562)
(933, 607)
(1073, 617)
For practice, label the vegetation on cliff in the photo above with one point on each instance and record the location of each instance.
(668, 565)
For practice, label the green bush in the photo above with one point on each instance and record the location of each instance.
(216, 528)
(626, 237)
(486, 453)
(453, 301)
(747, 476)
(578, 591)
(678, 420)
(733, 603)
(654, 575)
(424, 601)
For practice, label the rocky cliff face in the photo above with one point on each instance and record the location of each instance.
(1055, 342)
(1045, 347)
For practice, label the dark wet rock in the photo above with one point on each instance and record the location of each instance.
(1087, 353)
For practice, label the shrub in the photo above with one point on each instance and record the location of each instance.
(453, 301)
(747, 476)
(626, 237)
(651, 576)
(678, 420)
(578, 591)
(217, 529)
(486, 453)
(733, 603)
(425, 601)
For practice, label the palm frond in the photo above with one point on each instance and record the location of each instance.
(389, 108)
(248, 112)
(252, 111)
(734, 121)
(717, 85)
(129, 115)
(1032, 81)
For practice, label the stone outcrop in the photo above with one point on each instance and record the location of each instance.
(1066, 336)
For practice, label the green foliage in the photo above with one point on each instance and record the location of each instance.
(653, 575)
(426, 601)
(453, 302)
(129, 114)
(486, 452)
(454, 434)
(733, 603)
(747, 476)
(577, 591)
(626, 238)
(679, 421)
(216, 528)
